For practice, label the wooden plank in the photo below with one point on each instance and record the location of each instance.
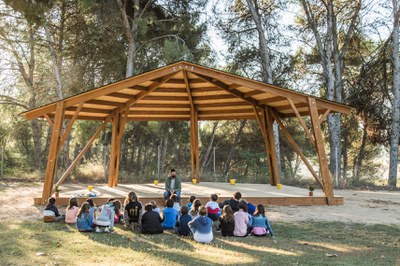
(292, 142)
(166, 98)
(302, 123)
(236, 111)
(108, 103)
(272, 100)
(319, 140)
(83, 151)
(290, 107)
(52, 157)
(268, 201)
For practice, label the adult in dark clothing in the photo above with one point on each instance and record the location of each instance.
(182, 227)
(151, 221)
(233, 202)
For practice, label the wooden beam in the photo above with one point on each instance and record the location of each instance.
(302, 123)
(319, 140)
(48, 120)
(90, 110)
(159, 106)
(165, 98)
(272, 100)
(68, 128)
(101, 102)
(83, 151)
(159, 112)
(52, 158)
(196, 135)
(324, 116)
(292, 142)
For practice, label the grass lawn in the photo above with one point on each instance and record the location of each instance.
(311, 243)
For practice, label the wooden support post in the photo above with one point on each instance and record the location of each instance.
(194, 133)
(292, 142)
(52, 159)
(196, 142)
(83, 151)
(269, 121)
(319, 141)
(118, 126)
(263, 129)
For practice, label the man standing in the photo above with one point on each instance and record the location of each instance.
(172, 185)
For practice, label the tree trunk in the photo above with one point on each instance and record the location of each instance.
(227, 165)
(395, 134)
(131, 26)
(207, 156)
(361, 154)
(266, 67)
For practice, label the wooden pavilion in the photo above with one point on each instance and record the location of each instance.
(185, 91)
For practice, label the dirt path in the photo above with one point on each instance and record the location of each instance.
(367, 207)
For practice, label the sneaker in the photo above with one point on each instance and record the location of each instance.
(98, 230)
(106, 230)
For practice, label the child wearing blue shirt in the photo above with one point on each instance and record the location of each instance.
(260, 223)
(170, 215)
(84, 221)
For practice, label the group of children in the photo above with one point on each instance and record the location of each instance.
(234, 217)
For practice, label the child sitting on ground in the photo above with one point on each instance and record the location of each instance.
(133, 211)
(260, 222)
(71, 211)
(119, 216)
(170, 215)
(233, 202)
(93, 207)
(176, 206)
(51, 213)
(104, 218)
(182, 227)
(151, 221)
(227, 224)
(194, 211)
(213, 207)
(84, 221)
(241, 218)
(202, 227)
(191, 199)
(155, 207)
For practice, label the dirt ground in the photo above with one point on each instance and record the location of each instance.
(366, 207)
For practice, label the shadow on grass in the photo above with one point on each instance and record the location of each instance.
(303, 243)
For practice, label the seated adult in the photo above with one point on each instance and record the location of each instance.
(172, 186)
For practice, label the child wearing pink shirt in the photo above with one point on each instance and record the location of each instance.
(241, 220)
(72, 211)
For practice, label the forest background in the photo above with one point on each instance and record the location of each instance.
(345, 51)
